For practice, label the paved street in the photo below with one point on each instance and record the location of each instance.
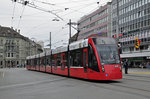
(18, 83)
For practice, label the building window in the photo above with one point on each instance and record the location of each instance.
(1, 62)
(12, 54)
(8, 54)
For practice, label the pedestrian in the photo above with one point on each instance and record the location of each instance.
(148, 65)
(126, 66)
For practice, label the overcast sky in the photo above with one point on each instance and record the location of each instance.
(37, 24)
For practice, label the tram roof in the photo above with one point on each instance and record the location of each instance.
(37, 55)
(28, 57)
(104, 40)
(78, 44)
(42, 54)
(60, 49)
(48, 52)
(31, 57)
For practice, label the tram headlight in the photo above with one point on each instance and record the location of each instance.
(102, 65)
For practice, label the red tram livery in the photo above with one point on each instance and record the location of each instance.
(92, 58)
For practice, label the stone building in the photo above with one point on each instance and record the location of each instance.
(14, 48)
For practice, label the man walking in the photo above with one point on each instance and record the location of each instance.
(126, 66)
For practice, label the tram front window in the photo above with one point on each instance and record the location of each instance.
(108, 54)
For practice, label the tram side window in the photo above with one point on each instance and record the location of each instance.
(47, 60)
(58, 60)
(38, 62)
(41, 61)
(53, 60)
(44, 61)
(34, 62)
(31, 62)
(92, 60)
(65, 59)
(76, 58)
(27, 62)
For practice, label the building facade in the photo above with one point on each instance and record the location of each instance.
(14, 48)
(98, 23)
(133, 24)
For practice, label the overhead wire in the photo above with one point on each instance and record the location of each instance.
(66, 8)
(32, 5)
(72, 2)
(20, 17)
(85, 6)
(40, 8)
(44, 2)
(12, 18)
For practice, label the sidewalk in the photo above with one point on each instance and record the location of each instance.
(138, 71)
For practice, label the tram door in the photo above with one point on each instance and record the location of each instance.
(55, 62)
(63, 61)
(85, 59)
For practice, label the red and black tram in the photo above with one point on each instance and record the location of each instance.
(92, 58)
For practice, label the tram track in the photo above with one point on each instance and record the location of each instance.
(31, 83)
(139, 76)
(137, 80)
(119, 87)
(128, 90)
(130, 87)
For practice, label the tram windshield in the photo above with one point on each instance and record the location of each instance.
(108, 53)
